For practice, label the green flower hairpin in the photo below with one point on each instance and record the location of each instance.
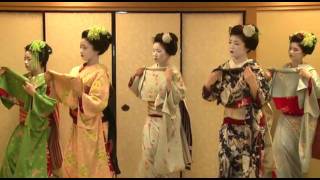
(95, 31)
(309, 39)
(36, 46)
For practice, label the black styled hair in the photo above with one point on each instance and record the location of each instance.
(252, 42)
(298, 38)
(171, 47)
(43, 55)
(101, 44)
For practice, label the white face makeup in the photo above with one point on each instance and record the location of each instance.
(86, 50)
(237, 47)
(295, 52)
(159, 54)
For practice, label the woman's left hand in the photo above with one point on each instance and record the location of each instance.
(250, 77)
(29, 88)
(304, 73)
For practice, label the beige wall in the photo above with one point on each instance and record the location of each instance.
(275, 28)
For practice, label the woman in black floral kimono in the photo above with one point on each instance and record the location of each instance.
(240, 86)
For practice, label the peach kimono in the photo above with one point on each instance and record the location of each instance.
(85, 154)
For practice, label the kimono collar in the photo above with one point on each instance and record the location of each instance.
(38, 80)
(232, 65)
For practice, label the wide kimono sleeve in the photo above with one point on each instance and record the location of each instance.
(215, 90)
(11, 89)
(62, 86)
(169, 100)
(42, 108)
(316, 81)
(94, 101)
(263, 94)
(42, 104)
(135, 84)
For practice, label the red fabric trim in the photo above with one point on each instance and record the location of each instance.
(228, 120)
(49, 164)
(22, 115)
(3, 93)
(74, 115)
(262, 122)
(80, 104)
(108, 147)
(131, 81)
(274, 174)
(243, 102)
(310, 86)
(288, 105)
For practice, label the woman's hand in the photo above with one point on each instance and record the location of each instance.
(213, 77)
(304, 73)
(29, 88)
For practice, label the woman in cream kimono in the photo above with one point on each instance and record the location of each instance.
(86, 90)
(162, 87)
(295, 89)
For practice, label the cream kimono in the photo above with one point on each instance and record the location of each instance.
(86, 154)
(296, 98)
(162, 149)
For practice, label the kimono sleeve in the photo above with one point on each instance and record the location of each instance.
(62, 88)
(263, 94)
(215, 90)
(134, 84)
(93, 102)
(170, 100)
(42, 104)
(316, 81)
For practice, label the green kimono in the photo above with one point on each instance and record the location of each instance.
(27, 150)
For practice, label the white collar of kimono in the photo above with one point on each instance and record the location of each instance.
(239, 65)
(299, 66)
(38, 80)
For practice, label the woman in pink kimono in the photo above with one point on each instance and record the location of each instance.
(86, 90)
(164, 149)
(295, 90)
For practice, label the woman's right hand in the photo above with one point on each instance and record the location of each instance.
(213, 77)
(268, 74)
(2, 70)
(139, 71)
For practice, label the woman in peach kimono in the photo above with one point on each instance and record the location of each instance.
(86, 90)
(164, 148)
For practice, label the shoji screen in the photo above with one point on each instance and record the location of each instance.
(205, 46)
(134, 32)
(17, 30)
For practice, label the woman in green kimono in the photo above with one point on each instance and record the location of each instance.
(33, 149)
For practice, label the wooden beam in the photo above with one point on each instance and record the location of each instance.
(151, 6)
